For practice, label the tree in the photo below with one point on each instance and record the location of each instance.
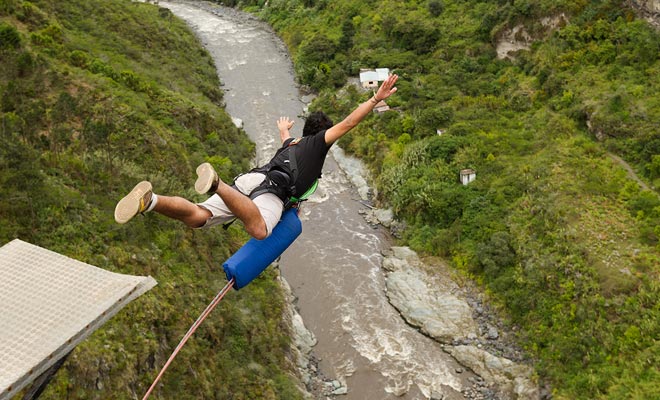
(654, 167)
(347, 33)
(316, 50)
(496, 254)
(436, 7)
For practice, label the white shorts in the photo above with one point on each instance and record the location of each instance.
(270, 206)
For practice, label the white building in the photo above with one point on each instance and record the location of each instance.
(467, 176)
(369, 78)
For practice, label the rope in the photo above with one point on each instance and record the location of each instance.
(192, 330)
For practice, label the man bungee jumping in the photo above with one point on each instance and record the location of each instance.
(258, 197)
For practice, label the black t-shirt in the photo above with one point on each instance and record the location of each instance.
(310, 156)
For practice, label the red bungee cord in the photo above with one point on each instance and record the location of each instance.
(188, 334)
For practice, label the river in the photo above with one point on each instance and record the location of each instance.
(334, 267)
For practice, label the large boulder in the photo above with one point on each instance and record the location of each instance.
(512, 378)
(429, 302)
(303, 340)
(426, 302)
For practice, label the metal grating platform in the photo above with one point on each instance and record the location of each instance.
(48, 304)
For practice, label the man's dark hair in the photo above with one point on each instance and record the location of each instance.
(316, 122)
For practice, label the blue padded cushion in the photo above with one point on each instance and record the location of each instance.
(256, 255)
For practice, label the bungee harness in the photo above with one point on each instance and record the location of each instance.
(281, 177)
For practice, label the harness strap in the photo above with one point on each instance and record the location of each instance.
(279, 182)
(308, 193)
(293, 166)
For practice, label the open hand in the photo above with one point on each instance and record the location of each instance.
(387, 88)
(284, 123)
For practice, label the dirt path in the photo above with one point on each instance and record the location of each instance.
(631, 173)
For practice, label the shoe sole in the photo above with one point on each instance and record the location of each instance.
(130, 205)
(205, 177)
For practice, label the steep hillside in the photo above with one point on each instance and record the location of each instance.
(96, 96)
(556, 227)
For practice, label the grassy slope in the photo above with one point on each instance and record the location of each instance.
(553, 228)
(96, 96)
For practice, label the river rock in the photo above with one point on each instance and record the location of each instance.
(341, 390)
(492, 333)
(406, 254)
(384, 217)
(308, 98)
(511, 378)
(391, 264)
(237, 122)
(303, 339)
(354, 169)
(335, 388)
(426, 302)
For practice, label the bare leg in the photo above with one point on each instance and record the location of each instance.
(239, 204)
(183, 210)
(244, 209)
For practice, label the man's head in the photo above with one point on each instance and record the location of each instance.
(316, 122)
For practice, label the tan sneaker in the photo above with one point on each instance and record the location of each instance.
(135, 202)
(207, 179)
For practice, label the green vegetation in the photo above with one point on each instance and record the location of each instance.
(553, 227)
(96, 96)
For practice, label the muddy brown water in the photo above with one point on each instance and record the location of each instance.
(334, 267)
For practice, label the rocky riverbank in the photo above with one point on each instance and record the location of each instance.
(455, 317)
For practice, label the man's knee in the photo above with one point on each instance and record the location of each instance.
(198, 218)
(258, 231)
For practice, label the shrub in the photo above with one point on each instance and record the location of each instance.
(7, 7)
(9, 37)
(79, 58)
(25, 64)
(30, 14)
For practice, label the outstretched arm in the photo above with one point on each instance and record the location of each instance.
(283, 125)
(385, 90)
